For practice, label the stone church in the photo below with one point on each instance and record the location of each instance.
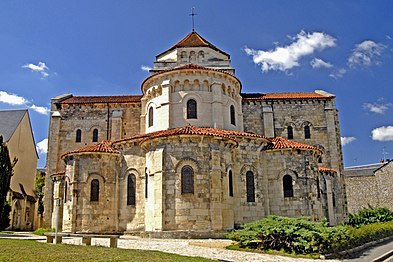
(192, 156)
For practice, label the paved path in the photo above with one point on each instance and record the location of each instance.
(372, 253)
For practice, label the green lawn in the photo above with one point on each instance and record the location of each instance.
(31, 251)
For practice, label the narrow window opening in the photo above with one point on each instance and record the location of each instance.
(146, 183)
(131, 188)
(250, 186)
(95, 135)
(290, 132)
(191, 109)
(287, 185)
(233, 116)
(150, 116)
(230, 180)
(95, 190)
(307, 132)
(78, 137)
(65, 191)
(187, 180)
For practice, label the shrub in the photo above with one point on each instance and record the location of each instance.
(5, 216)
(42, 231)
(370, 215)
(292, 235)
(367, 233)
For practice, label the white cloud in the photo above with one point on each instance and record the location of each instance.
(338, 73)
(318, 63)
(12, 99)
(145, 68)
(40, 109)
(384, 133)
(42, 147)
(366, 53)
(40, 67)
(286, 57)
(378, 108)
(347, 140)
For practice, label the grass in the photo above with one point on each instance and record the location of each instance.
(42, 231)
(27, 250)
(273, 252)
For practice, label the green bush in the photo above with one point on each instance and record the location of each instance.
(292, 235)
(42, 231)
(367, 233)
(370, 215)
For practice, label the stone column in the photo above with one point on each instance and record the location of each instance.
(217, 119)
(332, 218)
(215, 192)
(117, 124)
(268, 124)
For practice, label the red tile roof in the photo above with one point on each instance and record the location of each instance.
(289, 95)
(103, 147)
(193, 39)
(282, 143)
(190, 66)
(101, 99)
(326, 170)
(193, 130)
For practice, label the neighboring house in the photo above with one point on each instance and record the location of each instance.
(16, 130)
(192, 155)
(369, 185)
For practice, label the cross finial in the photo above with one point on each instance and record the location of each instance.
(192, 16)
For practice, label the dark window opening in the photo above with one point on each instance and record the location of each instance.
(191, 109)
(230, 180)
(65, 191)
(131, 188)
(95, 135)
(94, 190)
(290, 132)
(307, 132)
(187, 180)
(334, 199)
(318, 188)
(250, 186)
(78, 137)
(146, 183)
(150, 116)
(233, 116)
(287, 185)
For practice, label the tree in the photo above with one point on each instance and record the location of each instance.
(6, 172)
(39, 184)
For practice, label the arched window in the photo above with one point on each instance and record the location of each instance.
(95, 135)
(232, 113)
(183, 57)
(94, 190)
(65, 191)
(201, 57)
(187, 180)
(250, 186)
(307, 132)
(290, 132)
(192, 57)
(131, 188)
(150, 116)
(287, 185)
(230, 181)
(191, 109)
(78, 137)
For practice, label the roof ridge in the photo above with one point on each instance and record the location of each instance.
(104, 146)
(282, 143)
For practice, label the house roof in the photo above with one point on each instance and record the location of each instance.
(326, 170)
(288, 95)
(103, 147)
(193, 39)
(101, 99)
(9, 121)
(279, 143)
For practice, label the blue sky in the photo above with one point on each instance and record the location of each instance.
(99, 47)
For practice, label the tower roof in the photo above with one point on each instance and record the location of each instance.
(194, 39)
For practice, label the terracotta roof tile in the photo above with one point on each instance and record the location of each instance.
(101, 99)
(103, 147)
(282, 143)
(326, 170)
(193, 39)
(289, 95)
(193, 130)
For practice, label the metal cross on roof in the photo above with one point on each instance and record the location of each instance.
(192, 15)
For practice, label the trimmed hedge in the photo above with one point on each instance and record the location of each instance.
(302, 236)
(370, 215)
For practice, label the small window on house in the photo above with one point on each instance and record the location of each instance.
(131, 188)
(187, 180)
(191, 109)
(78, 137)
(319, 159)
(150, 116)
(230, 181)
(95, 135)
(250, 186)
(307, 132)
(233, 116)
(287, 185)
(94, 190)
(290, 132)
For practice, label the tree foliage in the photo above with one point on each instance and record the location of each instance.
(39, 184)
(6, 171)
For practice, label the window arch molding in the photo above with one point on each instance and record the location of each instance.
(287, 183)
(131, 189)
(101, 185)
(198, 100)
(78, 135)
(232, 115)
(179, 166)
(151, 114)
(307, 129)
